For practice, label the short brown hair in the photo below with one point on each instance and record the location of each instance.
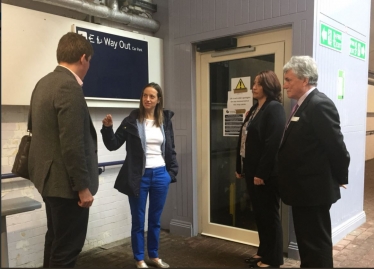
(270, 85)
(71, 47)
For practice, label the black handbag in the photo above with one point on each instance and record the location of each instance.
(21, 162)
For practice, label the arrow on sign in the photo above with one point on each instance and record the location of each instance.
(363, 51)
(324, 34)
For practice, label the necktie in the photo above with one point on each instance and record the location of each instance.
(294, 109)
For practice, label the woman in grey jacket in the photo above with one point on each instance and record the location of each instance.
(149, 167)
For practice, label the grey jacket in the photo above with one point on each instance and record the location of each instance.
(63, 151)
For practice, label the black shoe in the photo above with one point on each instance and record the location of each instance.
(252, 260)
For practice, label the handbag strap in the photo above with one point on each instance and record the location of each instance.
(29, 123)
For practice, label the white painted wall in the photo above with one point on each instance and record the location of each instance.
(28, 53)
(347, 214)
(29, 43)
(110, 217)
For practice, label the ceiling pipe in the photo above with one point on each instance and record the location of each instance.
(112, 4)
(111, 13)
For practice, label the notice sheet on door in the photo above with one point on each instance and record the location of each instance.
(232, 122)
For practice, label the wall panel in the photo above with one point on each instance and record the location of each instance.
(340, 15)
(218, 18)
(222, 13)
(241, 11)
(196, 16)
(209, 15)
(275, 8)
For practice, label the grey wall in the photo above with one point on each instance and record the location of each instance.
(184, 22)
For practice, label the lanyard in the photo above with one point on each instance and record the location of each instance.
(254, 113)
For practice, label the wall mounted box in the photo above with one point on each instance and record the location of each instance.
(217, 44)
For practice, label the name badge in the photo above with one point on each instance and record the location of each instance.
(295, 118)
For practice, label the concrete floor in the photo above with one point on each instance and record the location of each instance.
(355, 250)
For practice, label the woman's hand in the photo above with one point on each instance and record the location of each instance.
(258, 181)
(238, 175)
(108, 120)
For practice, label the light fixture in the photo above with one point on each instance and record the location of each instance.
(233, 51)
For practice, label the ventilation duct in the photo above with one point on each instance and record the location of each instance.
(140, 7)
(110, 12)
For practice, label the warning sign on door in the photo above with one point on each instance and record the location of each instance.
(240, 87)
(240, 96)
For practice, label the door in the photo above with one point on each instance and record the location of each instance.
(225, 208)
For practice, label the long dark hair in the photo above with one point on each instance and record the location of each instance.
(159, 109)
(270, 85)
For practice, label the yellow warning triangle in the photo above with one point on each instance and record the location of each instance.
(240, 85)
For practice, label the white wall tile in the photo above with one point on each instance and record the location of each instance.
(109, 215)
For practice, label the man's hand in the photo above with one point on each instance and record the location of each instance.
(343, 186)
(258, 181)
(108, 120)
(238, 175)
(85, 198)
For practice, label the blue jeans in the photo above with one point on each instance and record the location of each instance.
(155, 181)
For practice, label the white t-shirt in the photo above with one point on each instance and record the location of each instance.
(154, 139)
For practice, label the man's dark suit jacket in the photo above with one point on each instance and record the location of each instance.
(313, 160)
(63, 150)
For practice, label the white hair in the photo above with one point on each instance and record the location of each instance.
(303, 67)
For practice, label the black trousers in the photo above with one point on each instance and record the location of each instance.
(66, 232)
(313, 235)
(265, 202)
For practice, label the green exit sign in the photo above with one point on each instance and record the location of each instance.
(330, 37)
(357, 49)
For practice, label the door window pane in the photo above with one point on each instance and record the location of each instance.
(229, 200)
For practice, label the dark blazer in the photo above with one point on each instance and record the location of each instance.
(63, 151)
(264, 135)
(313, 160)
(130, 175)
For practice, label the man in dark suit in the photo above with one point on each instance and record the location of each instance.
(313, 162)
(63, 162)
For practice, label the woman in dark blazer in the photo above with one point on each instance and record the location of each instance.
(257, 149)
(149, 167)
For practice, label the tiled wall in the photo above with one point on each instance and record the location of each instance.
(110, 218)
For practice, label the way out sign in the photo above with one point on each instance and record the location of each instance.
(330, 37)
(357, 49)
